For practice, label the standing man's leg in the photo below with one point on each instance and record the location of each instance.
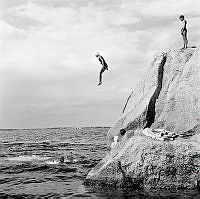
(183, 40)
(186, 40)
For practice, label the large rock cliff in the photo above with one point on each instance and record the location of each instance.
(167, 97)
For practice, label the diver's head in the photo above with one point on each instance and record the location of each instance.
(97, 54)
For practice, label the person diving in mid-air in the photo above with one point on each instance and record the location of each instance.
(105, 67)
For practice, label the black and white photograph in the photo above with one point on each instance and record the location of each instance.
(99, 99)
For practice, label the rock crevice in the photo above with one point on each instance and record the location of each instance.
(150, 116)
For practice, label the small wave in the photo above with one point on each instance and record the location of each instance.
(39, 168)
(6, 180)
(66, 169)
(89, 165)
(28, 158)
(28, 181)
(14, 169)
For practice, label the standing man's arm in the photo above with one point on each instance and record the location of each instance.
(184, 26)
(185, 22)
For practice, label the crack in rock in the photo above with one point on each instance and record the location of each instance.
(150, 116)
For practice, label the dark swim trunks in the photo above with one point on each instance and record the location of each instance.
(105, 66)
(103, 69)
(184, 32)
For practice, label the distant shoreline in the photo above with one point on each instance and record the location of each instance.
(84, 127)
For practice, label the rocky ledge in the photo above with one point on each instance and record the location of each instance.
(167, 97)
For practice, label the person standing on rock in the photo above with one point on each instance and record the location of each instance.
(105, 67)
(184, 31)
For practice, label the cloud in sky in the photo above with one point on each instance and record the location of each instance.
(48, 69)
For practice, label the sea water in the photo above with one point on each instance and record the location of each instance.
(30, 168)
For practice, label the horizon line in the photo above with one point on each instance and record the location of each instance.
(78, 127)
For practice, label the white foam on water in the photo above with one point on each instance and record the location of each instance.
(28, 158)
(52, 162)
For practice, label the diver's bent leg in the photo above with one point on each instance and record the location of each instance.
(100, 76)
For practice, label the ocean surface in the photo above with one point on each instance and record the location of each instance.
(30, 168)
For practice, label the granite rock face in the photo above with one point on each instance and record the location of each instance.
(167, 97)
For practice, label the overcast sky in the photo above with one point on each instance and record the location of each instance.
(48, 71)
